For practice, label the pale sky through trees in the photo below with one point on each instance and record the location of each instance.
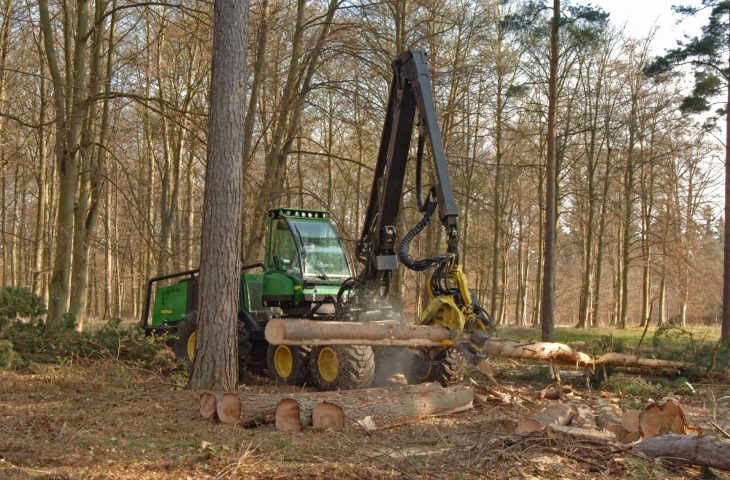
(639, 17)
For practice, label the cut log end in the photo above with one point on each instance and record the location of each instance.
(328, 415)
(228, 408)
(207, 406)
(287, 416)
(662, 419)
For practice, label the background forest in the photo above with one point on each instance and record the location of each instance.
(103, 146)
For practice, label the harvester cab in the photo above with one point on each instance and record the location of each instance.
(304, 263)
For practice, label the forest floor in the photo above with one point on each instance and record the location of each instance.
(105, 419)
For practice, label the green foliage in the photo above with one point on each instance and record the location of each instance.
(18, 302)
(8, 356)
(705, 53)
(630, 385)
(29, 341)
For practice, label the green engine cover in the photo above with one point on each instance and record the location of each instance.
(171, 304)
(280, 289)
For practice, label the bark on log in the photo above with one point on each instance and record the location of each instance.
(281, 331)
(623, 360)
(381, 408)
(558, 414)
(707, 451)
(260, 408)
(607, 414)
(309, 332)
(583, 433)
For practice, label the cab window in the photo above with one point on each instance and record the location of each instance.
(284, 253)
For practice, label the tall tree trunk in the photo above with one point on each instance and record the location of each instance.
(215, 366)
(725, 335)
(67, 146)
(548, 289)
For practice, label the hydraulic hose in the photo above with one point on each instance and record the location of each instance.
(405, 257)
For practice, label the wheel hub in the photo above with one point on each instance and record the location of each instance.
(328, 364)
(191, 346)
(283, 361)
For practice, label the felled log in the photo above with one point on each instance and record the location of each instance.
(376, 408)
(607, 414)
(281, 331)
(260, 408)
(558, 414)
(660, 419)
(706, 451)
(625, 360)
(583, 433)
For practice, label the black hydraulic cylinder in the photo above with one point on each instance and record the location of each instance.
(410, 92)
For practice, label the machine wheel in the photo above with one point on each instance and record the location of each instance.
(184, 346)
(447, 367)
(342, 367)
(288, 364)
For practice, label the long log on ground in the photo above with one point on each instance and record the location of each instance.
(281, 331)
(260, 408)
(394, 407)
(706, 451)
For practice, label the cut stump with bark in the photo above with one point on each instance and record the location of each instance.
(706, 451)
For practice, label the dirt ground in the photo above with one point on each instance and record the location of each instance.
(106, 420)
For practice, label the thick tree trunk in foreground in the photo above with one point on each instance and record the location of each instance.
(215, 366)
(707, 451)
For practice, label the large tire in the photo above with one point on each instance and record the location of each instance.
(185, 337)
(342, 367)
(447, 367)
(288, 364)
